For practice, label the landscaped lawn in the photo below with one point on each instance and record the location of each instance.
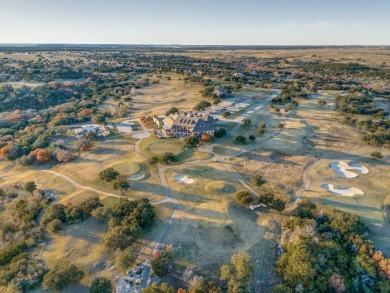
(153, 146)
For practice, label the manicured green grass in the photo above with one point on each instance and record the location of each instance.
(161, 147)
(127, 168)
(228, 125)
(153, 146)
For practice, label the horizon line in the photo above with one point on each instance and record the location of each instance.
(198, 45)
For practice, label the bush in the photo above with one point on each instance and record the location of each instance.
(246, 122)
(220, 132)
(160, 264)
(226, 114)
(100, 214)
(109, 174)
(280, 125)
(125, 259)
(173, 110)
(238, 274)
(98, 119)
(376, 155)
(168, 157)
(62, 275)
(260, 131)
(201, 106)
(240, 139)
(101, 285)
(153, 161)
(305, 209)
(257, 180)
(30, 187)
(252, 137)
(243, 198)
(278, 204)
(10, 251)
(83, 145)
(121, 185)
(191, 141)
(54, 226)
(24, 161)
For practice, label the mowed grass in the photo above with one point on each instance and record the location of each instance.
(155, 147)
(228, 125)
(367, 208)
(167, 145)
(127, 167)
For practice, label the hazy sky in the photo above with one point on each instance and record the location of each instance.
(242, 22)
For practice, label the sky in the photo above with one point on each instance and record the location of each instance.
(196, 22)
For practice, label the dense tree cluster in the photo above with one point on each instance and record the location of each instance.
(70, 214)
(238, 274)
(359, 103)
(128, 220)
(328, 253)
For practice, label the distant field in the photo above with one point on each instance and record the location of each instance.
(368, 56)
(157, 99)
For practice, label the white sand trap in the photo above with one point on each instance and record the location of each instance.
(343, 191)
(342, 169)
(184, 179)
(137, 176)
(141, 135)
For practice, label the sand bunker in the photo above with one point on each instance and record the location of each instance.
(184, 179)
(137, 176)
(342, 169)
(343, 191)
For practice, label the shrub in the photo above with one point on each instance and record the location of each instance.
(173, 110)
(201, 106)
(30, 187)
(376, 155)
(153, 161)
(278, 204)
(109, 174)
(246, 122)
(243, 198)
(168, 157)
(160, 264)
(54, 226)
(240, 139)
(257, 180)
(226, 114)
(10, 251)
(191, 141)
(260, 131)
(220, 132)
(125, 259)
(24, 161)
(101, 285)
(62, 275)
(121, 185)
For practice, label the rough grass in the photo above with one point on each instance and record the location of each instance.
(81, 245)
